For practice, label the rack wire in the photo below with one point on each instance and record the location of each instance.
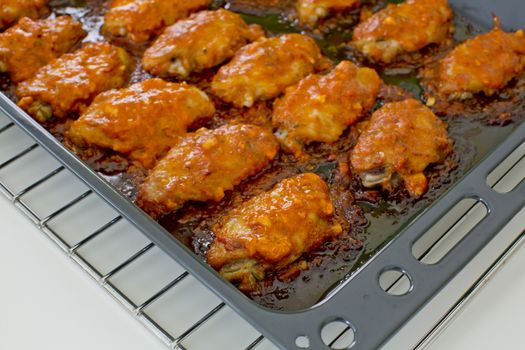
(148, 283)
(131, 268)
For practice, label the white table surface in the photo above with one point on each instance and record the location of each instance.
(49, 303)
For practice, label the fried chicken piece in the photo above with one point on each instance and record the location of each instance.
(401, 138)
(204, 40)
(143, 120)
(321, 107)
(403, 28)
(311, 11)
(484, 64)
(263, 69)
(12, 10)
(141, 20)
(68, 84)
(202, 165)
(30, 45)
(272, 230)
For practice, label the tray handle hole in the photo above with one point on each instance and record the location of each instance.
(445, 234)
(302, 342)
(338, 335)
(395, 281)
(509, 173)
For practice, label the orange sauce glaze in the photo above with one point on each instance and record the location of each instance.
(12, 10)
(202, 165)
(400, 138)
(30, 45)
(405, 27)
(143, 120)
(202, 41)
(76, 79)
(310, 11)
(321, 107)
(140, 20)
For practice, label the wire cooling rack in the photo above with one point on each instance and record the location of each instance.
(148, 283)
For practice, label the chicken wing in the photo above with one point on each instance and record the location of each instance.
(263, 69)
(12, 10)
(321, 107)
(201, 166)
(30, 45)
(143, 120)
(310, 11)
(273, 230)
(204, 40)
(140, 20)
(403, 28)
(401, 138)
(484, 64)
(68, 84)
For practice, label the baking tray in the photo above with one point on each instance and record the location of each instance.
(371, 313)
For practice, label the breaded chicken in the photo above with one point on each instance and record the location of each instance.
(321, 107)
(202, 165)
(272, 230)
(401, 139)
(141, 20)
(204, 40)
(143, 120)
(68, 84)
(30, 45)
(484, 64)
(263, 69)
(311, 11)
(403, 28)
(12, 10)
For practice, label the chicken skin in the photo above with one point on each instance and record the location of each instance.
(321, 107)
(204, 40)
(141, 20)
(263, 69)
(202, 165)
(401, 138)
(483, 64)
(403, 28)
(68, 84)
(30, 45)
(272, 230)
(143, 120)
(311, 11)
(12, 10)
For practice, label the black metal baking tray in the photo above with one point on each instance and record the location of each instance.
(359, 301)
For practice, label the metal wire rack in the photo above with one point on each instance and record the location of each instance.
(139, 275)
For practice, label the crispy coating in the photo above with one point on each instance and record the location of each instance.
(30, 45)
(321, 107)
(485, 64)
(12, 10)
(403, 28)
(68, 84)
(401, 138)
(140, 20)
(273, 229)
(311, 11)
(143, 120)
(263, 69)
(202, 165)
(202, 41)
